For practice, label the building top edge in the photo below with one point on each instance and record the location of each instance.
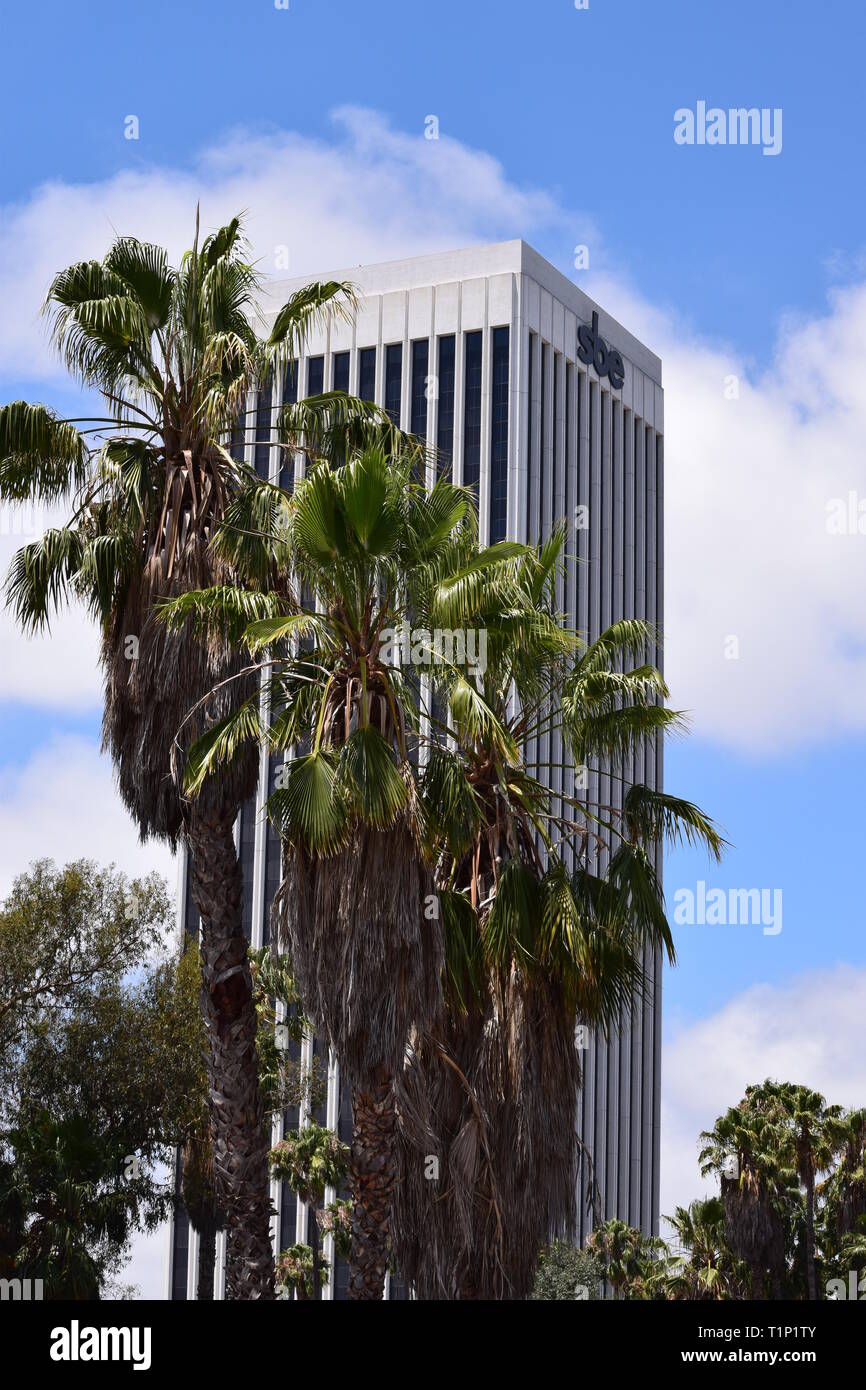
(472, 262)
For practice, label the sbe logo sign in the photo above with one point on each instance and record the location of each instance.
(593, 351)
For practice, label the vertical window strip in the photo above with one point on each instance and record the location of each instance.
(418, 412)
(394, 381)
(499, 435)
(367, 374)
(262, 453)
(238, 441)
(555, 463)
(446, 384)
(341, 371)
(542, 452)
(315, 376)
(472, 410)
(290, 397)
(530, 425)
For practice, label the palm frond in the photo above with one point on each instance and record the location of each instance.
(311, 808)
(367, 768)
(653, 816)
(42, 576)
(41, 456)
(224, 611)
(216, 749)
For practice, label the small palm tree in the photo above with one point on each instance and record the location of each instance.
(844, 1192)
(703, 1268)
(815, 1134)
(310, 1162)
(852, 1251)
(172, 351)
(630, 1258)
(747, 1149)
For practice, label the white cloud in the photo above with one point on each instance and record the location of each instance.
(805, 1031)
(62, 804)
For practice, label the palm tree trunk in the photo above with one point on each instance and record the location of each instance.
(810, 1238)
(757, 1289)
(207, 1238)
(371, 1178)
(240, 1145)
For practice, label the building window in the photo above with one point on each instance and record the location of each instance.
(341, 371)
(367, 374)
(499, 436)
(237, 444)
(290, 384)
(545, 443)
(556, 500)
(315, 376)
(290, 397)
(445, 428)
(263, 430)
(394, 381)
(472, 410)
(570, 472)
(420, 359)
(530, 434)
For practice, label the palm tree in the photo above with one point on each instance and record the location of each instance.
(844, 1192)
(704, 1267)
(628, 1256)
(852, 1251)
(365, 543)
(172, 352)
(310, 1162)
(815, 1135)
(747, 1148)
(532, 949)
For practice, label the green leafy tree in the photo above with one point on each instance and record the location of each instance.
(566, 1272)
(172, 353)
(102, 1067)
(60, 931)
(285, 1082)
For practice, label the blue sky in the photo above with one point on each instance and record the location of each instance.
(733, 260)
(579, 103)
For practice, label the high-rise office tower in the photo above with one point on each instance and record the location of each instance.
(551, 409)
